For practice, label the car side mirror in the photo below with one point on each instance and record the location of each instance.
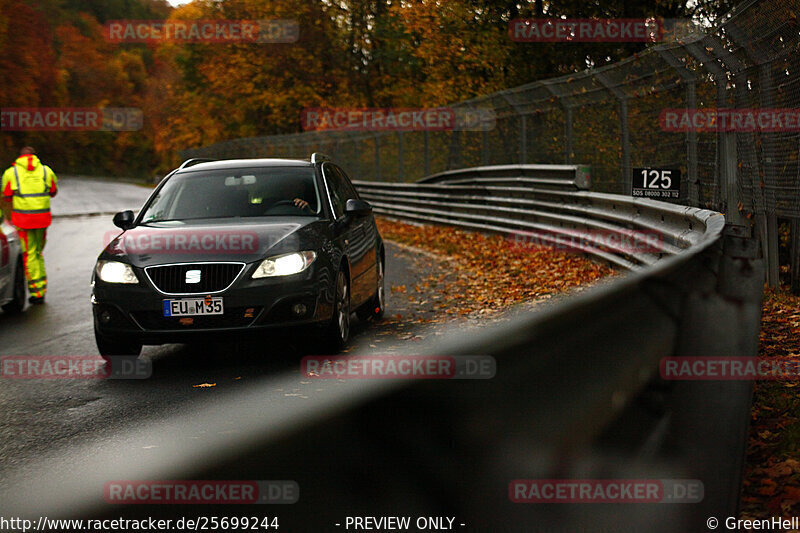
(124, 220)
(358, 208)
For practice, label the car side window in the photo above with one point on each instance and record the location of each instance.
(337, 195)
(348, 188)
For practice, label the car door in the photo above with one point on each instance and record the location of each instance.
(365, 249)
(345, 228)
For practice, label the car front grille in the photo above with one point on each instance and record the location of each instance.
(214, 277)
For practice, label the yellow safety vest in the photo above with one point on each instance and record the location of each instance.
(31, 196)
(30, 191)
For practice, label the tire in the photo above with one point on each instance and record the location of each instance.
(16, 305)
(110, 347)
(376, 305)
(337, 333)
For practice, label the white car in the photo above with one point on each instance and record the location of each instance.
(12, 270)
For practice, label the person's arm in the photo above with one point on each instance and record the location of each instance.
(6, 195)
(54, 182)
(302, 204)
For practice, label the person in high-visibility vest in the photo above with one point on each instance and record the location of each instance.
(29, 185)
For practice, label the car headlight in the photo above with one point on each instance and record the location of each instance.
(284, 265)
(115, 272)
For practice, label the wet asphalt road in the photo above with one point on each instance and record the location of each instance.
(41, 418)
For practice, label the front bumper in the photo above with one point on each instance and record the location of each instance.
(135, 312)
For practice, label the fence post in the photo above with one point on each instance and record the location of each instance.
(484, 147)
(624, 130)
(763, 196)
(725, 196)
(765, 213)
(427, 152)
(756, 52)
(377, 157)
(356, 157)
(455, 150)
(401, 168)
(768, 139)
(568, 149)
(692, 179)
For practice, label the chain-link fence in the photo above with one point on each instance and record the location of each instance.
(612, 118)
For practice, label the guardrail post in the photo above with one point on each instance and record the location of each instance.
(624, 129)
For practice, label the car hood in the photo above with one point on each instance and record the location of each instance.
(213, 240)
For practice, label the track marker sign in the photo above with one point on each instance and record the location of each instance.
(659, 183)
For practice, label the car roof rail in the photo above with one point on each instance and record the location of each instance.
(317, 157)
(195, 161)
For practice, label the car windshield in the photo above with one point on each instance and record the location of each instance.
(254, 192)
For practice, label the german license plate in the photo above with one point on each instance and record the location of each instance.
(193, 306)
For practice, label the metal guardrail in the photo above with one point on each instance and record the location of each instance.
(529, 210)
(558, 176)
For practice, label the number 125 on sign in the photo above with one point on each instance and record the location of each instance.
(656, 182)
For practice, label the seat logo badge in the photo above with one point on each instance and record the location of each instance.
(192, 276)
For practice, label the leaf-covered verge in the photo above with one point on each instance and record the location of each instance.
(489, 272)
(772, 477)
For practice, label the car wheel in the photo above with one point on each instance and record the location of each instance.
(18, 303)
(338, 331)
(376, 305)
(111, 347)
